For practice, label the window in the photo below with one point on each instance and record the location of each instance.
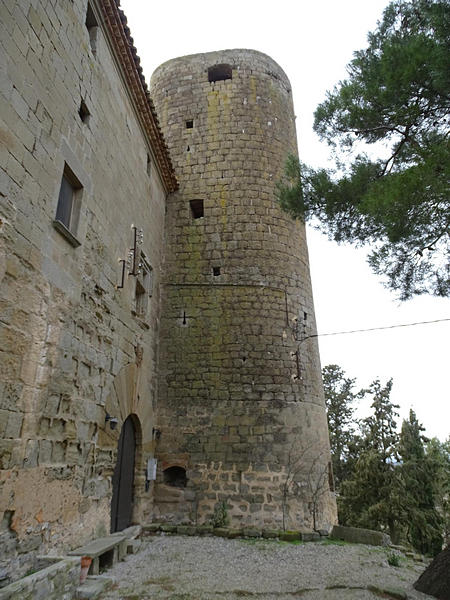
(92, 27)
(196, 208)
(216, 271)
(189, 124)
(144, 287)
(68, 208)
(84, 112)
(219, 73)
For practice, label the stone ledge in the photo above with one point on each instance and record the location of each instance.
(56, 582)
(232, 533)
(357, 535)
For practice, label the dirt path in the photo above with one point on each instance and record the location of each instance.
(210, 568)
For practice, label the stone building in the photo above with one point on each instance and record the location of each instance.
(138, 321)
(84, 172)
(241, 405)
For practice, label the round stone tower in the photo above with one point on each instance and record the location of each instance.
(241, 406)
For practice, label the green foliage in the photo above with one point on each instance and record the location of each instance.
(370, 497)
(411, 439)
(379, 429)
(340, 398)
(397, 96)
(220, 517)
(439, 453)
(393, 558)
(396, 483)
(416, 474)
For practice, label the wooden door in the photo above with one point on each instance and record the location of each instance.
(122, 498)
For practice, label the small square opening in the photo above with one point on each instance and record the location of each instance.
(189, 124)
(196, 208)
(220, 73)
(216, 271)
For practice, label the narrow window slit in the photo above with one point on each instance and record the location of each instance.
(189, 124)
(216, 271)
(92, 27)
(84, 113)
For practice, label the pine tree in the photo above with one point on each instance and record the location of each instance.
(371, 497)
(340, 398)
(417, 473)
(396, 97)
(439, 453)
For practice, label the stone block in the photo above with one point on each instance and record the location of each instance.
(271, 533)
(166, 528)
(14, 426)
(251, 532)
(205, 529)
(310, 536)
(151, 528)
(357, 535)
(186, 529)
(45, 452)
(220, 532)
(290, 536)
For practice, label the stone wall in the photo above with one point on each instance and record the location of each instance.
(58, 581)
(241, 404)
(73, 347)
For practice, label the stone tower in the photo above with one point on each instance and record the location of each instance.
(241, 407)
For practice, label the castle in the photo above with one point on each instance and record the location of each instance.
(156, 304)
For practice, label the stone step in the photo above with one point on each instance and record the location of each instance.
(93, 587)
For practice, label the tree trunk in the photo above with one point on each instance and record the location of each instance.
(435, 580)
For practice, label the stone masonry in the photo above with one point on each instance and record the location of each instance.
(241, 404)
(73, 347)
(182, 316)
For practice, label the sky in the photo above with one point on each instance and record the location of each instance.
(313, 42)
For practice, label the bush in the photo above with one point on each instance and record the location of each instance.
(393, 559)
(220, 517)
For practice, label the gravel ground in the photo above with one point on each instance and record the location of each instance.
(209, 568)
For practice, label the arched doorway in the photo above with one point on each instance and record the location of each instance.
(122, 481)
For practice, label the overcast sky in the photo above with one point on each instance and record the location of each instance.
(313, 42)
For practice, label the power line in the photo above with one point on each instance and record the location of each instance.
(375, 328)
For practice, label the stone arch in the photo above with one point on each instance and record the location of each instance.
(129, 396)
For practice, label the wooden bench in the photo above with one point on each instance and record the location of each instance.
(105, 552)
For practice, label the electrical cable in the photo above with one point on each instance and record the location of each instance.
(374, 328)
